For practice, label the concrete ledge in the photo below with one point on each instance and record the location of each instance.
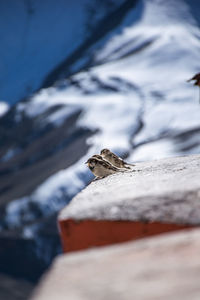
(160, 196)
(90, 233)
(166, 267)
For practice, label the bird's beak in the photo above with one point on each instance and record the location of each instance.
(86, 163)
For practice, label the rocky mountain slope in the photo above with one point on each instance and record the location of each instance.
(122, 86)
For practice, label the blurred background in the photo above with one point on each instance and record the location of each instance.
(75, 77)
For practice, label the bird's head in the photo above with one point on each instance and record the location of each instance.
(91, 161)
(105, 151)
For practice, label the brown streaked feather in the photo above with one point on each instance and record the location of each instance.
(97, 156)
(107, 165)
(114, 159)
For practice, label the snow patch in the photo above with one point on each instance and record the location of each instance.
(4, 107)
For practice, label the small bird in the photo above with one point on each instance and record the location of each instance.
(114, 159)
(196, 79)
(101, 168)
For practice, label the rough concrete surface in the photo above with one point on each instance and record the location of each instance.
(166, 267)
(166, 190)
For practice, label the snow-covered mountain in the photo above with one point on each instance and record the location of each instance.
(123, 86)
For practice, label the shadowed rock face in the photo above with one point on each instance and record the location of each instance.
(98, 32)
(42, 150)
(55, 54)
(28, 258)
(11, 289)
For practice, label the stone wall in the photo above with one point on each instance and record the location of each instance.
(155, 198)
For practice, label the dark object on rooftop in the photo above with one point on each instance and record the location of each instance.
(196, 79)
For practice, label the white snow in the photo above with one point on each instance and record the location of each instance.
(158, 96)
(154, 150)
(4, 107)
(110, 113)
(168, 118)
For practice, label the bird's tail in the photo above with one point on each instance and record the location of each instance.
(127, 165)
